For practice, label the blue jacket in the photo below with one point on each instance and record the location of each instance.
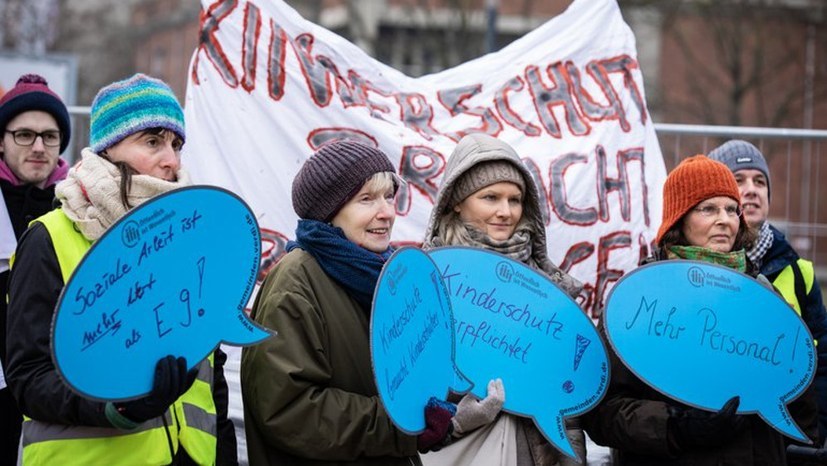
(779, 257)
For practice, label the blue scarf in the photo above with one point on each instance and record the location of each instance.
(350, 265)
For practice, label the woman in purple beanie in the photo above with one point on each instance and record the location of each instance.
(309, 394)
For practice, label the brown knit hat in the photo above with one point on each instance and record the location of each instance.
(334, 174)
(485, 174)
(695, 179)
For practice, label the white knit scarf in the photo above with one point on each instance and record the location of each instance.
(90, 194)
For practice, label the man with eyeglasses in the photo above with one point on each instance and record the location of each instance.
(35, 130)
(778, 261)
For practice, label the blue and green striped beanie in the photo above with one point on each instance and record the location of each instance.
(135, 104)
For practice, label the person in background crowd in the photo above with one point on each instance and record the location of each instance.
(703, 221)
(36, 130)
(136, 133)
(489, 200)
(309, 393)
(791, 275)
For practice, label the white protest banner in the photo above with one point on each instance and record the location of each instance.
(267, 88)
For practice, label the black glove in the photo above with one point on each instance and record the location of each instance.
(693, 428)
(171, 381)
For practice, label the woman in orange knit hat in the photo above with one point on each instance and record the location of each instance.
(692, 227)
(702, 220)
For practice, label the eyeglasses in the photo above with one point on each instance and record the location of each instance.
(710, 210)
(27, 137)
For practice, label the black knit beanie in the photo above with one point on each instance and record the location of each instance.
(334, 174)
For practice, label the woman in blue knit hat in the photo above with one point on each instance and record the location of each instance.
(136, 134)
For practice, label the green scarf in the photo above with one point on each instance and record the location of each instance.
(735, 260)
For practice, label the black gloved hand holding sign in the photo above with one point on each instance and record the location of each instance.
(693, 428)
(171, 381)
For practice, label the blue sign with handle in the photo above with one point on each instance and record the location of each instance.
(701, 334)
(411, 339)
(173, 276)
(513, 323)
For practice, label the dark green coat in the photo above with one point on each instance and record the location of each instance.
(309, 393)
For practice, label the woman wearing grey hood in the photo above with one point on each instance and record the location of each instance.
(489, 200)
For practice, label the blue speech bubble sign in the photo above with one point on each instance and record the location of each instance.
(411, 339)
(513, 323)
(171, 277)
(701, 334)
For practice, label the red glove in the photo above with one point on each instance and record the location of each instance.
(438, 426)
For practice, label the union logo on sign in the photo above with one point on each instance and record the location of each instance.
(695, 276)
(505, 271)
(131, 234)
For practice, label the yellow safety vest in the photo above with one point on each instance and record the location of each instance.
(197, 414)
(191, 421)
(785, 282)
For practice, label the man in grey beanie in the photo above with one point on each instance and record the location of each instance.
(778, 261)
(751, 172)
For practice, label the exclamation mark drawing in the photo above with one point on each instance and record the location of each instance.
(201, 264)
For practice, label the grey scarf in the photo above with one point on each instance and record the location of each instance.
(451, 231)
(454, 232)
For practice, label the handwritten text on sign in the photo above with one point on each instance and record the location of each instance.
(411, 340)
(513, 323)
(568, 97)
(171, 277)
(702, 334)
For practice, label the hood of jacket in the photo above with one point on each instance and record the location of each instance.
(477, 148)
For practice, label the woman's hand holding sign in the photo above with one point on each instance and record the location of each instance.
(473, 413)
(170, 382)
(693, 428)
(444, 421)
